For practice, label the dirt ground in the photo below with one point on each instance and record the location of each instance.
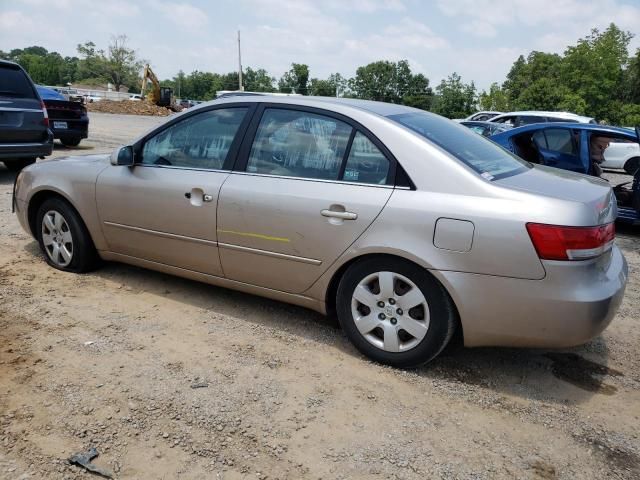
(169, 378)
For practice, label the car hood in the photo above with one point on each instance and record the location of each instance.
(593, 192)
(93, 158)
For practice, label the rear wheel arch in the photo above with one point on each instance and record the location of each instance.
(332, 290)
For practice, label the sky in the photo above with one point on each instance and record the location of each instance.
(478, 39)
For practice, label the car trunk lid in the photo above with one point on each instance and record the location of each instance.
(594, 193)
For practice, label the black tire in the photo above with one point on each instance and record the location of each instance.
(84, 256)
(632, 165)
(71, 142)
(18, 164)
(442, 313)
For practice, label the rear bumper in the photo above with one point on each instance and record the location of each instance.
(75, 128)
(27, 150)
(574, 303)
(628, 215)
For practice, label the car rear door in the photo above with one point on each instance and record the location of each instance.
(163, 209)
(559, 148)
(22, 118)
(307, 185)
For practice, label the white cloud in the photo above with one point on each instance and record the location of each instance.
(183, 15)
(480, 28)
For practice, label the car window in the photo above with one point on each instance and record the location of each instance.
(529, 119)
(564, 120)
(511, 120)
(299, 144)
(366, 164)
(539, 139)
(14, 83)
(478, 129)
(199, 141)
(482, 155)
(560, 140)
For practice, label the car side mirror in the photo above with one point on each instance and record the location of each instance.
(122, 156)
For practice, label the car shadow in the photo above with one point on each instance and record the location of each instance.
(567, 376)
(59, 147)
(6, 177)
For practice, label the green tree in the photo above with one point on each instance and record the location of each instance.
(391, 82)
(119, 65)
(295, 80)
(454, 98)
(257, 80)
(496, 99)
(594, 69)
(322, 88)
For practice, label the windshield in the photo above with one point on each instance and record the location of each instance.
(482, 155)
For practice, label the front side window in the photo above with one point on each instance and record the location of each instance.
(298, 144)
(482, 155)
(199, 141)
(366, 163)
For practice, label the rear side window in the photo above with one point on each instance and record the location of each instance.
(530, 119)
(366, 164)
(560, 140)
(294, 143)
(484, 156)
(14, 83)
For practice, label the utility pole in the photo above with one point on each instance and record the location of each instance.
(240, 87)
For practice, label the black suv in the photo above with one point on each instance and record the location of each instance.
(24, 124)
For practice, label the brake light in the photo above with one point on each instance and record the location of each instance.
(554, 242)
(45, 121)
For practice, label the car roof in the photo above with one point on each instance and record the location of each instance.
(484, 123)
(576, 126)
(379, 108)
(541, 113)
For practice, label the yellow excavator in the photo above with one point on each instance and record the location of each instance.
(157, 95)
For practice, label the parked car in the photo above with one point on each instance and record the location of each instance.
(518, 119)
(568, 146)
(483, 116)
(408, 226)
(68, 120)
(486, 129)
(621, 154)
(136, 97)
(90, 98)
(24, 124)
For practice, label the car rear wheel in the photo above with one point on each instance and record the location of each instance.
(70, 142)
(18, 164)
(395, 312)
(63, 237)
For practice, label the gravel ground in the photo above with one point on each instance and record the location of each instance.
(170, 378)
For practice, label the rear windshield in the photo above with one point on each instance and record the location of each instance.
(14, 83)
(482, 155)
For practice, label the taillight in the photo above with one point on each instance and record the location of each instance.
(45, 122)
(553, 242)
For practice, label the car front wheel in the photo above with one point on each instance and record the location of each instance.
(63, 237)
(395, 312)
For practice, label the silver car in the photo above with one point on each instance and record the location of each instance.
(404, 224)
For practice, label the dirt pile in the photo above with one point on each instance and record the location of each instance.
(128, 107)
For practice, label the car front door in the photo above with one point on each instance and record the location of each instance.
(163, 209)
(309, 184)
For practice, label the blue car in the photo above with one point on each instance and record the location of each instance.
(577, 147)
(68, 120)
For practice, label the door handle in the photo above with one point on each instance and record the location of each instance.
(198, 197)
(340, 215)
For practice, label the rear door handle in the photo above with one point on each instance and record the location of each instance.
(340, 215)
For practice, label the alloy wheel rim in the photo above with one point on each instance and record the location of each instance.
(57, 238)
(390, 311)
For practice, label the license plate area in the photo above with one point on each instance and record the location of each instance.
(60, 125)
